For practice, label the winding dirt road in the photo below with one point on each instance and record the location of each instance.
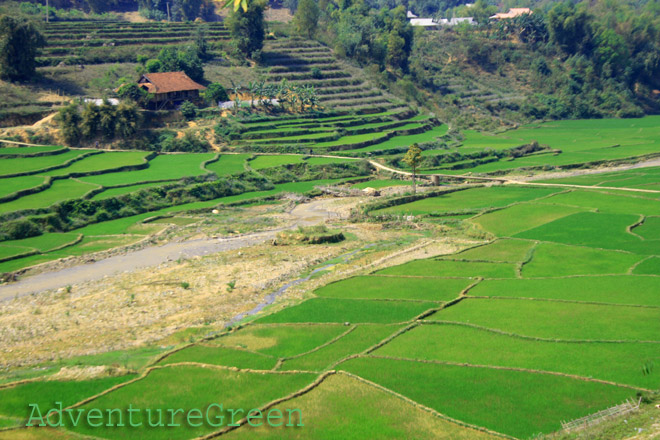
(306, 214)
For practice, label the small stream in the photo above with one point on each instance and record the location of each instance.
(270, 298)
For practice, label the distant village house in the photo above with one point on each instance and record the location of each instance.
(170, 89)
(513, 13)
(432, 23)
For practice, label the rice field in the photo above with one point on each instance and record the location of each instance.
(193, 387)
(557, 320)
(32, 165)
(281, 342)
(505, 401)
(620, 363)
(574, 142)
(550, 313)
(325, 310)
(375, 287)
(606, 289)
(101, 176)
(471, 200)
(345, 408)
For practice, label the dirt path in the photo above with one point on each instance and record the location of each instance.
(302, 215)
(531, 181)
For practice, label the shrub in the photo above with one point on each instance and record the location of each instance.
(188, 110)
(214, 93)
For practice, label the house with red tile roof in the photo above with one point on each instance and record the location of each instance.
(170, 89)
(513, 13)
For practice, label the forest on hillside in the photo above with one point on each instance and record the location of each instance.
(566, 60)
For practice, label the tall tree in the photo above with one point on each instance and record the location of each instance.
(307, 17)
(396, 56)
(413, 158)
(247, 28)
(69, 120)
(19, 42)
(570, 27)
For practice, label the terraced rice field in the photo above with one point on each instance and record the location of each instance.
(63, 175)
(569, 143)
(511, 336)
(366, 119)
(108, 42)
(554, 316)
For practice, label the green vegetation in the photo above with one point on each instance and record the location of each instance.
(19, 43)
(273, 161)
(358, 340)
(447, 268)
(161, 168)
(605, 231)
(642, 178)
(377, 184)
(343, 407)
(505, 401)
(193, 387)
(221, 356)
(15, 400)
(374, 287)
(24, 165)
(14, 184)
(284, 341)
(620, 363)
(649, 266)
(556, 320)
(59, 191)
(101, 162)
(228, 164)
(521, 217)
(344, 310)
(120, 191)
(502, 251)
(468, 200)
(553, 260)
(613, 289)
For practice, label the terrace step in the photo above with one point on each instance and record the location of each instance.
(350, 96)
(356, 102)
(304, 76)
(320, 83)
(328, 91)
(293, 68)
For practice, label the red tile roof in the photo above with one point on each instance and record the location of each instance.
(166, 82)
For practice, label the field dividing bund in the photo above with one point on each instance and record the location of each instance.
(188, 386)
(22, 166)
(505, 401)
(565, 145)
(77, 43)
(104, 235)
(557, 320)
(511, 336)
(328, 310)
(346, 407)
(619, 363)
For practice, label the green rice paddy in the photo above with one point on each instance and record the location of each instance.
(469, 200)
(557, 320)
(551, 313)
(620, 363)
(505, 401)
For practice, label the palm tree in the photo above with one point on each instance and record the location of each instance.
(283, 93)
(293, 99)
(259, 91)
(235, 89)
(314, 98)
(252, 86)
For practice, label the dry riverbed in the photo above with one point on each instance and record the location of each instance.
(151, 305)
